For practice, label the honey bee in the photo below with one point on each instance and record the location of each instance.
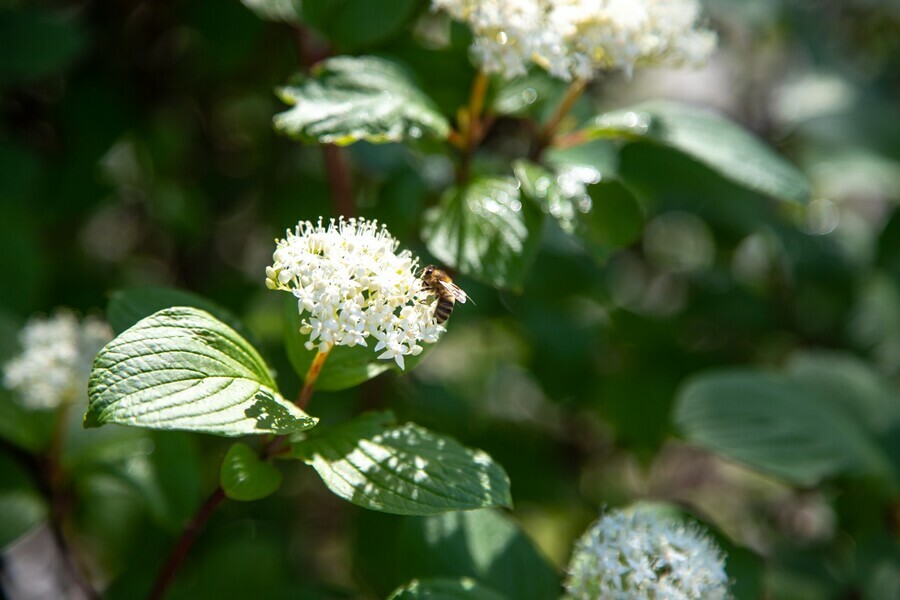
(447, 292)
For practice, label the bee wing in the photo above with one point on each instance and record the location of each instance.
(458, 294)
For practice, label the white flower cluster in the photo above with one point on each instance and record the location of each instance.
(55, 362)
(577, 38)
(638, 554)
(352, 284)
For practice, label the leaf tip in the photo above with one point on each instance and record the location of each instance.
(91, 420)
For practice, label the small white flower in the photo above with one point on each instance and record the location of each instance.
(351, 284)
(55, 362)
(578, 38)
(638, 554)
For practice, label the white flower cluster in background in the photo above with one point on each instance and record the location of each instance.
(352, 284)
(578, 38)
(55, 362)
(638, 554)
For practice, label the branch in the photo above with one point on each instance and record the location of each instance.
(548, 131)
(336, 166)
(185, 542)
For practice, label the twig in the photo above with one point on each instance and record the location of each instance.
(472, 128)
(336, 166)
(545, 135)
(338, 180)
(185, 542)
(59, 500)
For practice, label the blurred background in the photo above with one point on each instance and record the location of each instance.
(136, 148)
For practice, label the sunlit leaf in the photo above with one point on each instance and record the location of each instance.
(181, 368)
(600, 155)
(245, 477)
(528, 94)
(403, 469)
(485, 230)
(444, 589)
(602, 213)
(710, 138)
(348, 99)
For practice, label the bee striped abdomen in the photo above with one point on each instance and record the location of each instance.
(442, 309)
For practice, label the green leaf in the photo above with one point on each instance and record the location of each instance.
(348, 99)
(710, 138)
(181, 368)
(528, 94)
(463, 588)
(345, 367)
(403, 469)
(355, 24)
(127, 307)
(850, 386)
(777, 425)
(604, 216)
(485, 545)
(486, 231)
(36, 43)
(600, 155)
(21, 505)
(245, 477)
(286, 11)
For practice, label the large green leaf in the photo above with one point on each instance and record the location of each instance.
(35, 43)
(403, 469)
(181, 368)
(21, 505)
(485, 545)
(463, 588)
(348, 99)
(485, 230)
(602, 213)
(245, 477)
(345, 367)
(849, 385)
(709, 138)
(778, 425)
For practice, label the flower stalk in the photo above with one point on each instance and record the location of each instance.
(471, 125)
(311, 375)
(548, 131)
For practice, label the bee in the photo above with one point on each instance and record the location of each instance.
(448, 293)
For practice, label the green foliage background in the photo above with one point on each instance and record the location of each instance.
(663, 354)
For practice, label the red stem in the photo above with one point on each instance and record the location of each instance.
(185, 542)
(338, 180)
(336, 166)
